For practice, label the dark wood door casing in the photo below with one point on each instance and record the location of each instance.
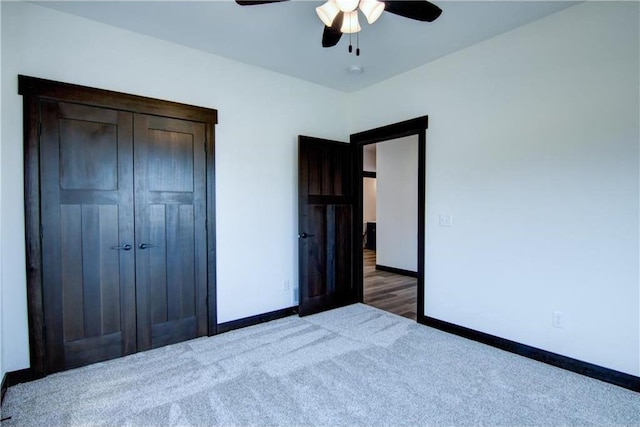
(325, 216)
(90, 210)
(417, 126)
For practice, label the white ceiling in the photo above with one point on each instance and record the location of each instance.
(285, 37)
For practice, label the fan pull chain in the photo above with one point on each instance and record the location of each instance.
(350, 47)
(357, 39)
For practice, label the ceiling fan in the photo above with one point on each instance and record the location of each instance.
(341, 16)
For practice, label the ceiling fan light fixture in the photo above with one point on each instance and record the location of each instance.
(371, 9)
(347, 5)
(328, 12)
(350, 23)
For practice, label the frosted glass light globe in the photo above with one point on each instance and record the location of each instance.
(347, 5)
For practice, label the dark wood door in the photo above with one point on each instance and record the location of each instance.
(89, 299)
(171, 242)
(325, 223)
(87, 234)
(124, 241)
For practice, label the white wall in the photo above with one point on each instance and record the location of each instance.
(369, 184)
(532, 147)
(260, 114)
(369, 199)
(397, 203)
(369, 158)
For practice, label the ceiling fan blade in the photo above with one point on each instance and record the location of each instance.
(256, 2)
(418, 10)
(331, 35)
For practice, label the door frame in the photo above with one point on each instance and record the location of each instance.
(417, 126)
(35, 89)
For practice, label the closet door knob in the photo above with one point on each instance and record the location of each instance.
(126, 247)
(146, 245)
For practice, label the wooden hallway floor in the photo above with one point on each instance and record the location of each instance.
(388, 291)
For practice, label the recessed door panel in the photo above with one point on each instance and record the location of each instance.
(180, 257)
(91, 166)
(71, 260)
(170, 161)
(315, 253)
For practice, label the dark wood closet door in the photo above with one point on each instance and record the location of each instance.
(325, 221)
(171, 248)
(87, 234)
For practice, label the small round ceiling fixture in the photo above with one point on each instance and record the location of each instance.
(356, 69)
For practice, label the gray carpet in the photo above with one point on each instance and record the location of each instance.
(354, 366)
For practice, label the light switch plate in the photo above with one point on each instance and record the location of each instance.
(446, 220)
(559, 320)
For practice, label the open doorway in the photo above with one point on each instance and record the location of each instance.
(390, 274)
(390, 220)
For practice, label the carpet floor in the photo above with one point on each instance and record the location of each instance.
(353, 366)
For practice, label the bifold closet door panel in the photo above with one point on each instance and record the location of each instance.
(170, 221)
(86, 178)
